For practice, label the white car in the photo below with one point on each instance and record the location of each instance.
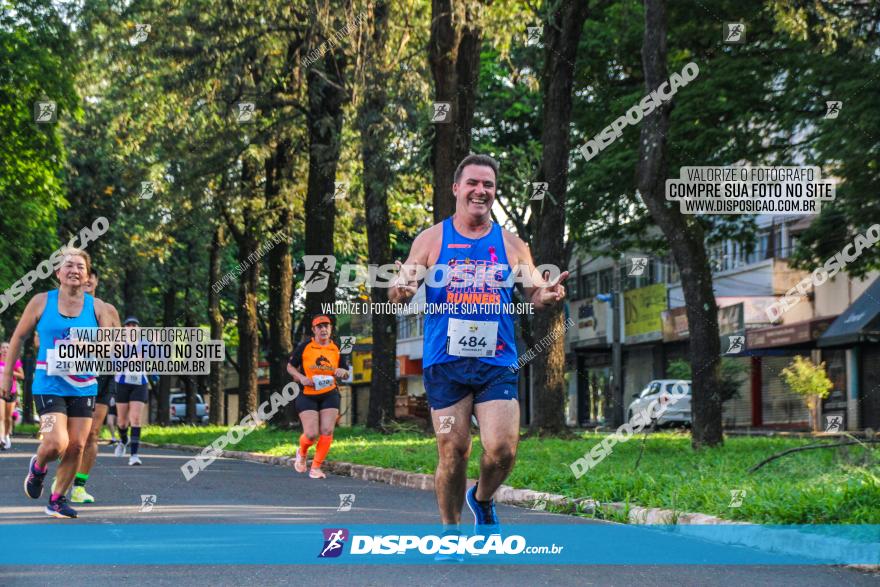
(678, 411)
(178, 408)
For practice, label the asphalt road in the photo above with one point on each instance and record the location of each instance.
(237, 492)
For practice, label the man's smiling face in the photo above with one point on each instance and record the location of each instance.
(475, 191)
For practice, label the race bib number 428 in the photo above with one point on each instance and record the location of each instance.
(471, 338)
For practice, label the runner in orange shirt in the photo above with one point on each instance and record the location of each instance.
(316, 365)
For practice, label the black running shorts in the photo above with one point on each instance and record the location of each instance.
(128, 392)
(318, 402)
(106, 389)
(71, 406)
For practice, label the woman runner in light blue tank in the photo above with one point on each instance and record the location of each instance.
(469, 356)
(64, 402)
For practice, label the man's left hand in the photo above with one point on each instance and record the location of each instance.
(552, 292)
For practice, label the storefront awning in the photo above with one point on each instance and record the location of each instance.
(859, 323)
(788, 335)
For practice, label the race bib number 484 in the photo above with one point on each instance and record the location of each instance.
(471, 338)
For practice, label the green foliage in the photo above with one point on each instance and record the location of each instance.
(715, 120)
(679, 369)
(840, 63)
(37, 62)
(807, 379)
(731, 376)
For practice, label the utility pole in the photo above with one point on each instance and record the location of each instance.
(616, 350)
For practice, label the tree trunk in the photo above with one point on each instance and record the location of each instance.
(131, 291)
(163, 410)
(454, 55)
(189, 389)
(686, 240)
(562, 33)
(248, 333)
(375, 132)
(215, 319)
(327, 96)
(280, 263)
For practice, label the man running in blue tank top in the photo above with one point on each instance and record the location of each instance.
(468, 262)
(64, 402)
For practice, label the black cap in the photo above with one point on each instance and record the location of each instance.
(132, 320)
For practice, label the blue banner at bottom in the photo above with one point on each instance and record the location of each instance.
(570, 544)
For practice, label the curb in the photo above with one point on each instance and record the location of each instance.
(781, 541)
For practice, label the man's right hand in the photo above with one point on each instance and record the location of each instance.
(307, 381)
(407, 285)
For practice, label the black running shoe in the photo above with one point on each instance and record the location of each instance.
(33, 483)
(60, 509)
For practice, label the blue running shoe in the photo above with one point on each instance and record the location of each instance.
(453, 557)
(33, 483)
(60, 509)
(485, 519)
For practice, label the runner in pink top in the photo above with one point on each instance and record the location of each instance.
(7, 404)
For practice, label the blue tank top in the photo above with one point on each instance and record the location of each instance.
(53, 327)
(478, 273)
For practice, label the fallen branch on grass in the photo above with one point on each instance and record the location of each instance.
(809, 447)
(653, 428)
